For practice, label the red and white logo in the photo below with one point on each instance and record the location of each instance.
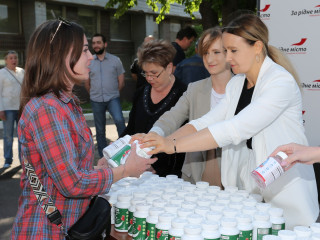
(314, 86)
(298, 47)
(307, 12)
(264, 14)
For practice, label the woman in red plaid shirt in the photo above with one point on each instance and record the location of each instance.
(54, 135)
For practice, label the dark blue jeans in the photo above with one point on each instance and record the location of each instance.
(99, 113)
(8, 131)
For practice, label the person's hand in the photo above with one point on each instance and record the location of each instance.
(151, 169)
(160, 144)
(136, 165)
(298, 153)
(3, 115)
(102, 163)
(137, 136)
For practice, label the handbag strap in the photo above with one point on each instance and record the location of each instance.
(51, 211)
(13, 76)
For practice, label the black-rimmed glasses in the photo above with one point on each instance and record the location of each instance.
(61, 20)
(151, 76)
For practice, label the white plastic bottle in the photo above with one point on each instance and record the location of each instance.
(228, 229)
(176, 230)
(194, 218)
(245, 226)
(201, 210)
(269, 170)
(202, 184)
(302, 232)
(192, 232)
(287, 235)
(122, 214)
(214, 216)
(210, 230)
(139, 221)
(184, 212)
(277, 220)
(151, 222)
(163, 225)
(261, 228)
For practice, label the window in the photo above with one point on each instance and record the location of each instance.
(9, 16)
(120, 29)
(53, 11)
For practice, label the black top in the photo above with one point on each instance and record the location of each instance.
(245, 100)
(179, 54)
(145, 113)
(135, 69)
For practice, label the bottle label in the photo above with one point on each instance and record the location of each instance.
(151, 231)
(139, 232)
(174, 237)
(277, 227)
(211, 239)
(263, 231)
(229, 237)
(130, 227)
(162, 234)
(121, 219)
(269, 170)
(245, 235)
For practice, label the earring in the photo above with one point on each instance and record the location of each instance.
(257, 58)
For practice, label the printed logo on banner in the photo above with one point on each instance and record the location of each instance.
(264, 14)
(307, 12)
(314, 86)
(296, 48)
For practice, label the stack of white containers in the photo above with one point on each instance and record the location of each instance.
(153, 207)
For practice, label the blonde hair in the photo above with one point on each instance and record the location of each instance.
(252, 29)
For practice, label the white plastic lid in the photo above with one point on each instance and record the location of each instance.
(201, 210)
(191, 197)
(282, 155)
(211, 196)
(155, 211)
(210, 225)
(218, 207)
(199, 192)
(256, 196)
(181, 193)
(168, 195)
(194, 218)
(275, 212)
(204, 202)
(156, 191)
(171, 208)
(171, 177)
(152, 219)
(243, 193)
(223, 194)
(228, 222)
(213, 189)
(249, 210)
(231, 189)
(261, 216)
(250, 202)
(192, 229)
(166, 217)
(124, 197)
(230, 212)
(315, 227)
(236, 198)
(271, 237)
(176, 200)
(202, 185)
(263, 207)
(189, 187)
(170, 189)
(214, 216)
(244, 218)
(159, 202)
(184, 212)
(315, 236)
(223, 200)
(179, 222)
(211, 234)
(143, 207)
(302, 231)
(287, 235)
(236, 205)
(152, 197)
(277, 220)
(190, 205)
(140, 194)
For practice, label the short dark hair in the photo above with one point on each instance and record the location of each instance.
(187, 32)
(104, 40)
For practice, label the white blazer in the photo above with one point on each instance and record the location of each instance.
(273, 118)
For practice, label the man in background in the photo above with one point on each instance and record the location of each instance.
(184, 39)
(191, 69)
(106, 82)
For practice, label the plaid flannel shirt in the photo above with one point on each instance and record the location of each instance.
(56, 140)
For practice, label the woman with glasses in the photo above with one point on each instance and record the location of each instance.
(152, 100)
(262, 109)
(11, 78)
(55, 138)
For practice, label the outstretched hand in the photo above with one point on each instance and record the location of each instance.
(159, 143)
(298, 154)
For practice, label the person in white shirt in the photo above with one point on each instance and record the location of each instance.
(11, 77)
(262, 109)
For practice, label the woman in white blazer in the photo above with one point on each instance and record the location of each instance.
(200, 97)
(262, 109)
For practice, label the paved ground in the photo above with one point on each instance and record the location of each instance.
(10, 180)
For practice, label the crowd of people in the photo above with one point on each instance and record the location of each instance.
(216, 128)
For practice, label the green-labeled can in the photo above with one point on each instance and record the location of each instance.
(263, 231)
(277, 227)
(162, 234)
(245, 235)
(229, 237)
(139, 228)
(121, 219)
(150, 231)
(130, 227)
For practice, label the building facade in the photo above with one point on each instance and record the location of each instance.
(19, 18)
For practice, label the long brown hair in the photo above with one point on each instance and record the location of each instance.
(252, 29)
(213, 33)
(46, 68)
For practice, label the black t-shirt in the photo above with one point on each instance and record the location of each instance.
(179, 54)
(245, 100)
(145, 113)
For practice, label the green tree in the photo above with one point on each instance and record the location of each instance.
(213, 12)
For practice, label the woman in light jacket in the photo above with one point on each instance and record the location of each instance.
(262, 110)
(200, 97)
